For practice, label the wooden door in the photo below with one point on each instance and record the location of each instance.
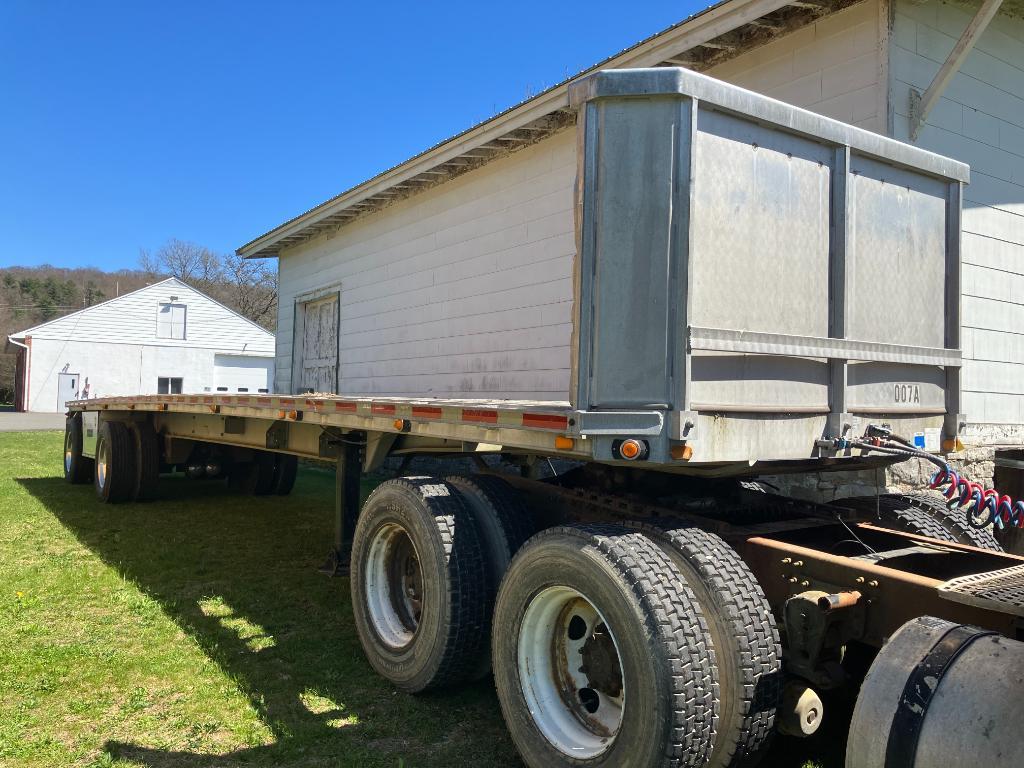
(318, 369)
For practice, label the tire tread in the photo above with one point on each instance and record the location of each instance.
(753, 638)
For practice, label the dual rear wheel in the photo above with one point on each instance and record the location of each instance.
(609, 646)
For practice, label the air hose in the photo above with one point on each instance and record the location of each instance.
(982, 506)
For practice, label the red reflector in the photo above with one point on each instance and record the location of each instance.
(479, 416)
(426, 412)
(545, 421)
(382, 408)
(347, 407)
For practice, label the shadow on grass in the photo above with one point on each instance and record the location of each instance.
(238, 574)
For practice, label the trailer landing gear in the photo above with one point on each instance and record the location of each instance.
(346, 509)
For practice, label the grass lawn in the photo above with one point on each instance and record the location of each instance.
(195, 631)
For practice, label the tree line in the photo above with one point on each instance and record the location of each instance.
(33, 295)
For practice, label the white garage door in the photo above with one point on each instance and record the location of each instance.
(242, 373)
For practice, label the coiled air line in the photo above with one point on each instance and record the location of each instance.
(982, 506)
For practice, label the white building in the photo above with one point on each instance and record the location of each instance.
(164, 338)
(427, 280)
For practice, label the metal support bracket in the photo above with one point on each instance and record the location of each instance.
(921, 105)
(277, 435)
(684, 426)
(346, 508)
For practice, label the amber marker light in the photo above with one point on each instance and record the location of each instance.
(564, 443)
(681, 452)
(632, 449)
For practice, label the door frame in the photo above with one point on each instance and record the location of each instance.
(300, 301)
(63, 406)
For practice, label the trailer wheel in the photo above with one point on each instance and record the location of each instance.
(78, 469)
(925, 515)
(147, 461)
(744, 634)
(503, 524)
(285, 469)
(115, 463)
(254, 477)
(601, 654)
(418, 584)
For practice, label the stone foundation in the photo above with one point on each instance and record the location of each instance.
(977, 463)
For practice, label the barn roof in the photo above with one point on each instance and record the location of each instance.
(703, 40)
(20, 335)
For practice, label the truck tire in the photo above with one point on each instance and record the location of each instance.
(419, 584)
(925, 515)
(503, 524)
(744, 635)
(115, 463)
(254, 478)
(286, 467)
(78, 469)
(601, 654)
(147, 461)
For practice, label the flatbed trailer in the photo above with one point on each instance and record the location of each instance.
(831, 578)
(641, 598)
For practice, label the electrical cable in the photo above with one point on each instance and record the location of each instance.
(982, 506)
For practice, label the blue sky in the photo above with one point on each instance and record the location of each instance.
(126, 124)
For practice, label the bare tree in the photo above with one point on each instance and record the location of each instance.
(248, 287)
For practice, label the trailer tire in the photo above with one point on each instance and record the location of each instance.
(655, 707)
(744, 634)
(78, 469)
(147, 461)
(418, 584)
(503, 523)
(255, 477)
(924, 514)
(285, 469)
(115, 463)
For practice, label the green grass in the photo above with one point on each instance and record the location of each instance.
(195, 631)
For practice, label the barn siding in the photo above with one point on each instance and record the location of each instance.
(464, 290)
(115, 345)
(980, 120)
(131, 319)
(834, 67)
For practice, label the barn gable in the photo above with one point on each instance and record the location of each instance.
(168, 313)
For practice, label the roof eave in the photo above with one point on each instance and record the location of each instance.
(702, 27)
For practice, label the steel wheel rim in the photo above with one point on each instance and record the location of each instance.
(102, 457)
(393, 586)
(570, 671)
(68, 454)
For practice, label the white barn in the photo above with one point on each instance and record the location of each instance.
(440, 277)
(164, 338)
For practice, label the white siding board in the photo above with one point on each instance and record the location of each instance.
(440, 292)
(990, 252)
(994, 346)
(834, 67)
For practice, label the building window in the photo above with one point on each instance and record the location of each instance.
(168, 385)
(170, 321)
